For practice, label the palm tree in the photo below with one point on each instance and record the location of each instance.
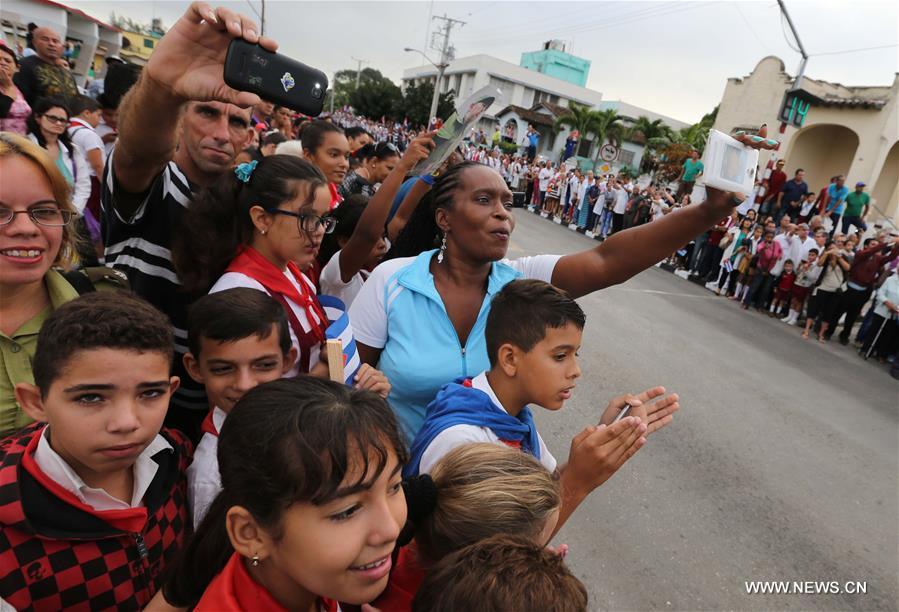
(654, 133)
(577, 117)
(607, 125)
(694, 136)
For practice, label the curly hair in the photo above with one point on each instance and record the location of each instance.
(117, 320)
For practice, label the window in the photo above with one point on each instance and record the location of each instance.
(625, 157)
(148, 43)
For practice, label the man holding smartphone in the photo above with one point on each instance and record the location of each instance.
(180, 129)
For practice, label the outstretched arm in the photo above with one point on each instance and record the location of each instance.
(629, 252)
(188, 64)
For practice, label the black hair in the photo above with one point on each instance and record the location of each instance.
(379, 151)
(421, 232)
(286, 441)
(347, 215)
(273, 137)
(218, 221)
(81, 104)
(235, 314)
(798, 170)
(523, 310)
(117, 320)
(313, 134)
(39, 108)
(355, 132)
(10, 52)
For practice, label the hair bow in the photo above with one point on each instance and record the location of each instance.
(245, 170)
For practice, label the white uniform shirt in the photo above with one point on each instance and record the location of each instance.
(203, 480)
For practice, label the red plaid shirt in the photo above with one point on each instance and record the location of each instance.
(58, 553)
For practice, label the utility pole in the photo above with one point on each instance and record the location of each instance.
(359, 63)
(444, 48)
(797, 84)
(262, 19)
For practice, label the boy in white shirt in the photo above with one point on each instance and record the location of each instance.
(533, 333)
(238, 339)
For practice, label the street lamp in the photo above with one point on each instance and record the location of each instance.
(440, 69)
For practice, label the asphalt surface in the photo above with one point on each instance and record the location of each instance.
(781, 465)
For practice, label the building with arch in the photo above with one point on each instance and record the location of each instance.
(846, 130)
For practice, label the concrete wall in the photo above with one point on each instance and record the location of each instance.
(819, 147)
(558, 64)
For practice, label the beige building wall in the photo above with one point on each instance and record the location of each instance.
(846, 137)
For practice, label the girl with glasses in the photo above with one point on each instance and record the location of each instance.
(48, 127)
(262, 228)
(35, 237)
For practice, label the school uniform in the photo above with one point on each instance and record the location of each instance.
(203, 480)
(65, 545)
(296, 293)
(468, 411)
(234, 590)
(332, 283)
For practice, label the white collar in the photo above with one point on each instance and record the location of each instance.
(481, 383)
(56, 468)
(218, 418)
(81, 122)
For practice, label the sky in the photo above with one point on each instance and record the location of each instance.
(673, 58)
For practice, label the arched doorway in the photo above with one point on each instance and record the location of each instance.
(886, 190)
(822, 151)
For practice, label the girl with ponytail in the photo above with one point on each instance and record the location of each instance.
(262, 229)
(311, 503)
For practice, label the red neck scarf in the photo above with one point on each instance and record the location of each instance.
(235, 590)
(336, 199)
(250, 262)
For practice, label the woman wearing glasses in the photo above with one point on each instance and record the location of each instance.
(272, 215)
(377, 161)
(35, 236)
(48, 127)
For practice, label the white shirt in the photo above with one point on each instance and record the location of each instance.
(621, 198)
(332, 283)
(790, 246)
(102, 131)
(56, 468)
(544, 176)
(230, 280)
(805, 247)
(203, 480)
(457, 435)
(78, 167)
(87, 139)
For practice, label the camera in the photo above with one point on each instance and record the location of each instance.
(317, 92)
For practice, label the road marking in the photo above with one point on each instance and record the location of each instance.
(672, 293)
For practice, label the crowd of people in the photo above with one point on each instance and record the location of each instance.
(173, 436)
(806, 257)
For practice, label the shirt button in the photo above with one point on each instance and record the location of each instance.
(16, 348)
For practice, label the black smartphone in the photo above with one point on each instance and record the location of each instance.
(275, 77)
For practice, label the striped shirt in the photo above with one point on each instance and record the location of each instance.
(140, 246)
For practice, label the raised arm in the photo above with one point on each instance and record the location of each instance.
(370, 226)
(187, 64)
(631, 251)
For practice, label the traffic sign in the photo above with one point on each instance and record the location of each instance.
(608, 152)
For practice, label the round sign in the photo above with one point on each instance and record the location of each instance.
(608, 152)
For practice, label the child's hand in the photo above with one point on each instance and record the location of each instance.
(654, 413)
(373, 380)
(597, 453)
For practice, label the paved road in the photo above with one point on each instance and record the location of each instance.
(781, 465)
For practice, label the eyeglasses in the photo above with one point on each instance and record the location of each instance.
(307, 223)
(43, 215)
(56, 120)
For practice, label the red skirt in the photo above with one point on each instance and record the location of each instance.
(799, 292)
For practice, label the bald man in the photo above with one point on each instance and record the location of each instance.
(41, 74)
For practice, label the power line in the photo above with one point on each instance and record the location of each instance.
(854, 50)
(736, 5)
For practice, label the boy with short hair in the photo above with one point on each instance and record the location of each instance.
(93, 497)
(533, 334)
(500, 573)
(238, 339)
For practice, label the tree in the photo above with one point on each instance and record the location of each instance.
(416, 104)
(608, 126)
(376, 98)
(577, 117)
(654, 133)
(345, 83)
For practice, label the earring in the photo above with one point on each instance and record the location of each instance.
(255, 560)
(263, 232)
(442, 250)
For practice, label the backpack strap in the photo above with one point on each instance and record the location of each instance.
(96, 278)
